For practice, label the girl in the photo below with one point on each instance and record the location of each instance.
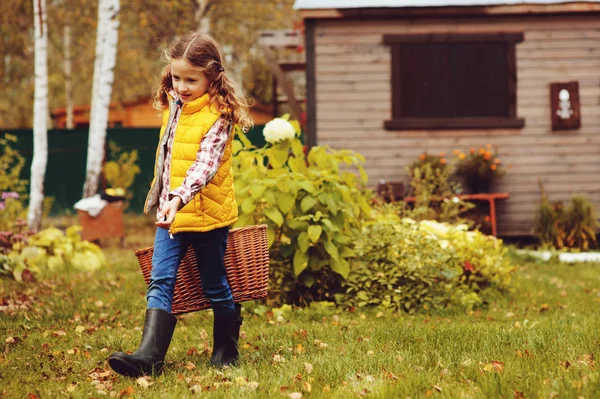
(195, 199)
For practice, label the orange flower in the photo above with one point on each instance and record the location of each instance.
(461, 156)
(456, 152)
(482, 151)
(443, 161)
(472, 150)
(442, 154)
(487, 218)
(493, 167)
(422, 157)
(497, 161)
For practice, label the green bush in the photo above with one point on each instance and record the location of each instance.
(12, 187)
(572, 227)
(436, 196)
(313, 205)
(52, 252)
(407, 265)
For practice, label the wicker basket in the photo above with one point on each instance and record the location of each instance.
(246, 263)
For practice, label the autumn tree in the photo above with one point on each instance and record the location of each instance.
(106, 57)
(40, 117)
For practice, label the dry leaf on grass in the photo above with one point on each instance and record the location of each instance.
(308, 367)
(144, 381)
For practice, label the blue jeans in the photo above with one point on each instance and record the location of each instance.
(209, 248)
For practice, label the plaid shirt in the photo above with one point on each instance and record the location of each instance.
(207, 162)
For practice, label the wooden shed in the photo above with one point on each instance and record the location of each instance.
(367, 61)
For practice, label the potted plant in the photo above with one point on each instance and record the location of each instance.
(478, 169)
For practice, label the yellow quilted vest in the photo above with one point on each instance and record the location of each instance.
(214, 206)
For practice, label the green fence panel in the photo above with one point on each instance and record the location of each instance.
(67, 154)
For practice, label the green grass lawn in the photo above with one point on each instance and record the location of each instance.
(540, 342)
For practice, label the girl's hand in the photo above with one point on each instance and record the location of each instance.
(167, 216)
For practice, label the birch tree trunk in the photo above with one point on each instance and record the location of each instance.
(202, 17)
(68, 76)
(106, 57)
(40, 117)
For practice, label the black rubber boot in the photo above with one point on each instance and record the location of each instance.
(150, 356)
(226, 333)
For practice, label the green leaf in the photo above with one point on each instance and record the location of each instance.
(300, 262)
(307, 203)
(329, 226)
(278, 157)
(248, 205)
(283, 186)
(236, 146)
(308, 280)
(298, 150)
(298, 224)
(285, 202)
(341, 267)
(274, 214)
(297, 165)
(271, 236)
(303, 241)
(307, 186)
(257, 190)
(332, 250)
(314, 233)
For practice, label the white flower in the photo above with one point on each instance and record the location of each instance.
(278, 130)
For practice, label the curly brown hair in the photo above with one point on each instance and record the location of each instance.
(204, 53)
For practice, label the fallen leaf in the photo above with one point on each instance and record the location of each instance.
(59, 333)
(308, 367)
(71, 387)
(196, 388)
(127, 391)
(566, 364)
(144, 382)
(252, 385)
(295, 395)
(190, 366)
(370, 353)
(278, 358)
(307, 387)
(497, 366)
(241, 381)
(437, 388)
(11, 340)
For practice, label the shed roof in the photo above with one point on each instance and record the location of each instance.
(347, 4)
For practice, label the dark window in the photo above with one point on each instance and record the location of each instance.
(453, 81)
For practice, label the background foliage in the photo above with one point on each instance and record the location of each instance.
(146, 27)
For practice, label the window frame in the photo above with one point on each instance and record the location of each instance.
(413, 123)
